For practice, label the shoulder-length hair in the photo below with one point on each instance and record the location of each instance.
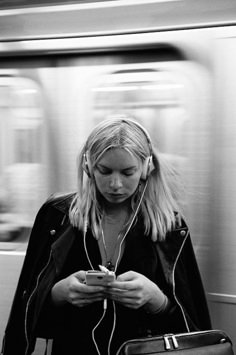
(159, 203)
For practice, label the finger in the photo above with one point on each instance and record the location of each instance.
(127, 276)
(79, 287)
(85, 301)
(122, 285)
(93, 289)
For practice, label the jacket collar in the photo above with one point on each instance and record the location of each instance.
(62, 202)
(168, 250)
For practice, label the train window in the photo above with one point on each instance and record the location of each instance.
(22, 178)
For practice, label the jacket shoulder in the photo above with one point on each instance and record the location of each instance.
(61, 201)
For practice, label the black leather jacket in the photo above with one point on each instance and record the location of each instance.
(50, 246)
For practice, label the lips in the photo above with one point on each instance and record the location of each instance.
(115, 195)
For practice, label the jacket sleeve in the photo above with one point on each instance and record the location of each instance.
(37, 252)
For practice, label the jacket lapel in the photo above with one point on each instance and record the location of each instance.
(170, 250)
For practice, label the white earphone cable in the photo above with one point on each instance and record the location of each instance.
(130, 225)
(116, 265)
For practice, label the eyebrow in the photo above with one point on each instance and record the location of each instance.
(107, 167)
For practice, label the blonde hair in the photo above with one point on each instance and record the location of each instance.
(159, 204)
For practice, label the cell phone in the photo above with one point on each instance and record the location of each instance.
(97, 277)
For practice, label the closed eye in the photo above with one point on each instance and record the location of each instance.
(104, 170)
(129, 171)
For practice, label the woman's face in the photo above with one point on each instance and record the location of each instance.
(117, 175)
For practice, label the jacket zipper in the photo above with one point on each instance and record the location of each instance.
(29, 300)
(173, 280)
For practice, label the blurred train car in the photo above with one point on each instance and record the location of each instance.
(64, 66)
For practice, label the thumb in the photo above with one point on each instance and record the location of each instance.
(127, 276)
(80, 275)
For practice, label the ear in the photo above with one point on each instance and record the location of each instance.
(87, 164)
(148, 167)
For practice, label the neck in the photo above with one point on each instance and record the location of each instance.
(111, 209)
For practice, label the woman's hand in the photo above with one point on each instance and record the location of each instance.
(73, 290)
(134, 290)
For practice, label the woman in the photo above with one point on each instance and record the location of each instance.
(125, 217)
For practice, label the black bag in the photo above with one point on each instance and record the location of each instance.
(209, 342)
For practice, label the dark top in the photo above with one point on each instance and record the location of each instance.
(56, 250)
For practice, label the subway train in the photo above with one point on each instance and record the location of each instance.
(65, 66)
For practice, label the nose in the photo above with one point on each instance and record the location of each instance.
(115, 182)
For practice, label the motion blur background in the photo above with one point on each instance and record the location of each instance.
(65, 66)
